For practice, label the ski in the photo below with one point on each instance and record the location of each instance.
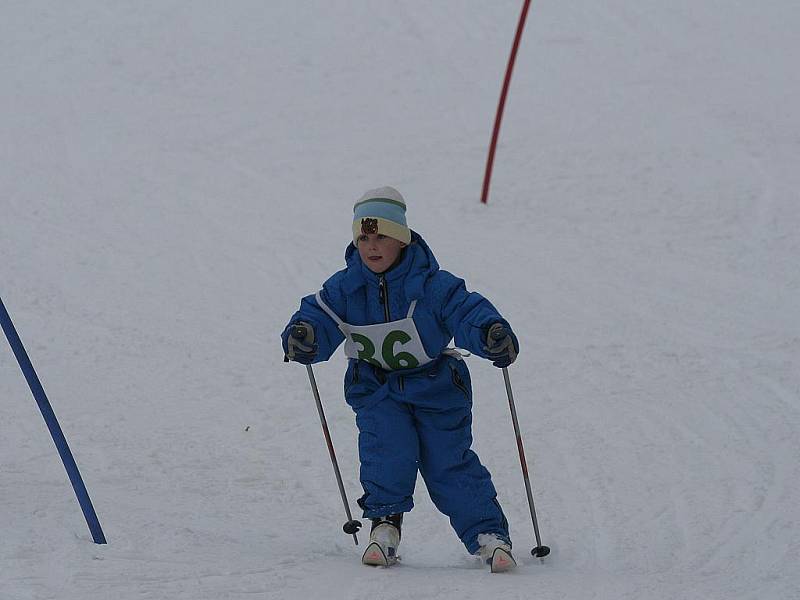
(502, 561)
(376, 557)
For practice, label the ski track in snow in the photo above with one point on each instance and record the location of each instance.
(174, 177)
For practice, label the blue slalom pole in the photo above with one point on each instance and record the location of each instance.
(52, 424)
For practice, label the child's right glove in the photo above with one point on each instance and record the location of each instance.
(300, 346)
(501, 345)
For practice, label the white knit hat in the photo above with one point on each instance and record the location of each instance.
(382, 211)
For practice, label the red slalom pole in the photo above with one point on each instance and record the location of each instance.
(490, 161)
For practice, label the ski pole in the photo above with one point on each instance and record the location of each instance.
(539, 551)
(352, 525)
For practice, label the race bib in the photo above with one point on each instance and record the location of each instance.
(391, 346)
(389, 353)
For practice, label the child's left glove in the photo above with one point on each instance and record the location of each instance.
(300, 343)
(501, 345)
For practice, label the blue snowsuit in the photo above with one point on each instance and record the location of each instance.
(418, 418)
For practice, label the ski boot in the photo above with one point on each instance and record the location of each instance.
(496, 553)
(384, 538)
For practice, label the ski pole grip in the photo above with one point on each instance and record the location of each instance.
(298, 332)
(499, 334)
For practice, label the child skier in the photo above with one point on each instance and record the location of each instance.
(397, 311)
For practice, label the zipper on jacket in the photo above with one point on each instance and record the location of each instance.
(383, 295)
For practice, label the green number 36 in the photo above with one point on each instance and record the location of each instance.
(401, 360)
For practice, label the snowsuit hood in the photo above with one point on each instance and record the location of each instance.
(417, 264)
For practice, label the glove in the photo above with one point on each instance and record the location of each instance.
(501, 345)
(300, 343)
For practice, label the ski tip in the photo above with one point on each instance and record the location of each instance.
(374, 556)
(502, 561)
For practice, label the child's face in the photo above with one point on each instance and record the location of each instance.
(378, 251)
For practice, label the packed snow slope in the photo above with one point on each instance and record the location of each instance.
(175, 175)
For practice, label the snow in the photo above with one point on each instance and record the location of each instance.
(174, 176)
